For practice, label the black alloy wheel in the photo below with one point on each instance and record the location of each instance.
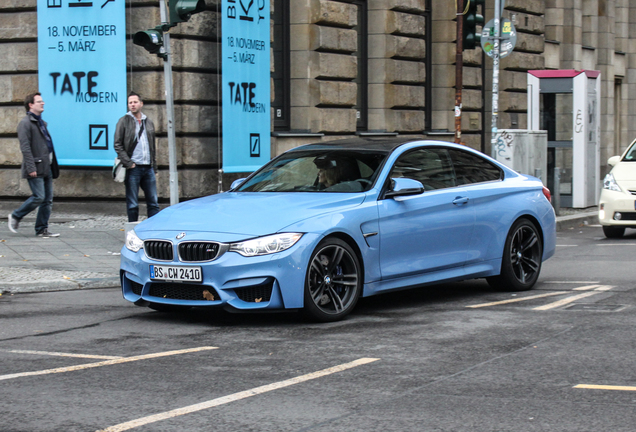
(521, 262)
(334, 281)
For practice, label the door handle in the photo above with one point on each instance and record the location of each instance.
(460, 200)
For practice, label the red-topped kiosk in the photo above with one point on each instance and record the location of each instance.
(565, 103)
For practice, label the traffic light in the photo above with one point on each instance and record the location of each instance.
(151, 40)
(471, 37)
(181, 10)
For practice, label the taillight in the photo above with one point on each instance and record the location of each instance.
(546, 192)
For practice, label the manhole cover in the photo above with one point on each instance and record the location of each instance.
(595, 307)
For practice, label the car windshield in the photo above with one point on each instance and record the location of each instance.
(630, 156)
(317, 171)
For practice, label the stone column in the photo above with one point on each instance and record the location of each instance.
(443, 59)
(323, 69)
(397, 72)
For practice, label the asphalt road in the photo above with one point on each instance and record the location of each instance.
(455, 357)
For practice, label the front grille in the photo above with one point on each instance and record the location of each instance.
(179, 291)
(198, 251)
(633, 192)
(135, 287)
(159, 250)
(256, 293)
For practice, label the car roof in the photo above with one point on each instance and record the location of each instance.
(378, 144)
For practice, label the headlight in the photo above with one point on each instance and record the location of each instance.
(610, 183)
(133, 242)
(266, 245)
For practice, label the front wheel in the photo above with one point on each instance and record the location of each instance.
(521, 262)
(613, 232)
(334, 281)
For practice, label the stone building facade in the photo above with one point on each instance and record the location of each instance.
(339, 68)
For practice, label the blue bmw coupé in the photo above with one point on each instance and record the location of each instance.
(324, 224)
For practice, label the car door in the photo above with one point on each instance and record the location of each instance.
(429, 231)
(483, 182)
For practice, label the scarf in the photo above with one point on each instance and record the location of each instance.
(45, 133)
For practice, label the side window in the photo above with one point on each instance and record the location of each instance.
(470, 168)
(431, 167)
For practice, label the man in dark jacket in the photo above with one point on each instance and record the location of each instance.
(39, 167)
(135, 147)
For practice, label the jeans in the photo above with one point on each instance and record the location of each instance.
(141, 176)
(42, 189)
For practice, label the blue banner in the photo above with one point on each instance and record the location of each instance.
(82, 76)
(246, 84)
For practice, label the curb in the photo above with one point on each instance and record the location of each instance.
(45, 285)
(576, 220)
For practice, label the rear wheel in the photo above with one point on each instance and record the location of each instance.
(521, 262)
(613, 231)
(333, 282)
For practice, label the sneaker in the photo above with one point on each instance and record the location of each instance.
(13, 224)
(47, 234)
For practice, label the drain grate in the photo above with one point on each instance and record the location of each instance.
(595, 307)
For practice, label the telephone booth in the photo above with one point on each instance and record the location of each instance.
(565, 103)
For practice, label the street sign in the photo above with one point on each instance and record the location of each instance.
(507, 35)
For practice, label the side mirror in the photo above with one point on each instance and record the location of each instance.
(236, 183)
(613, 160)
(404, 187)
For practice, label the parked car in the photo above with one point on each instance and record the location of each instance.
(617, 205)
(324, 224)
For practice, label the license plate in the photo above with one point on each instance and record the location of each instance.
(176, 273)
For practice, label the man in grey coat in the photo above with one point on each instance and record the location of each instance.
(39, 167)
(135, 147)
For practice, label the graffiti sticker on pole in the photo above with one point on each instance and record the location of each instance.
(246, 84)
(82, 76)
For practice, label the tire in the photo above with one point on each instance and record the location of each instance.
(333, 282)
(613, 231)
(521, 262)
(159, 307)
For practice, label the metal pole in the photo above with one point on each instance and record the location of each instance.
(495, 75)
(556, 193)
(459, 67)
(167, 71)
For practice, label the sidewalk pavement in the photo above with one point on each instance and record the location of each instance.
(86, 254)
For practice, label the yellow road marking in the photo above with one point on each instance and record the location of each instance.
(104, 363)
(571, 299)
(59, 354)
(236, 396)
(604, 387)
(517, 299)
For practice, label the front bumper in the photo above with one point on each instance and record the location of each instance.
(274, 281)
(612, 203)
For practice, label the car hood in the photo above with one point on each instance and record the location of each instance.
(246, 214)
(625, 174)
